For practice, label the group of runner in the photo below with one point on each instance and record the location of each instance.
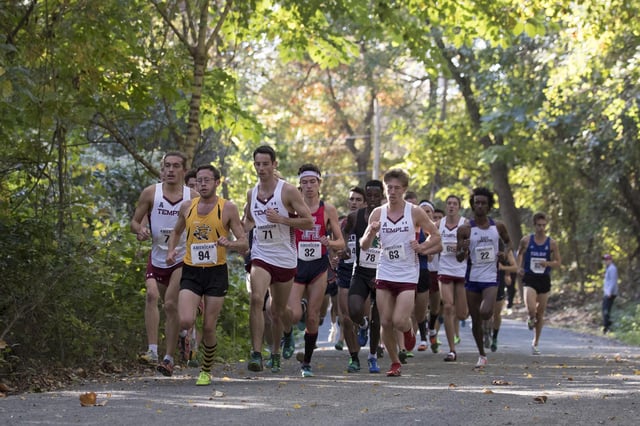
(394, 259)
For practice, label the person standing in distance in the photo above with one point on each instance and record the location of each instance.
(274, 210)
(397, 223)
(537, 254)
(610, 289)
(208, 220)
(159, 204)
(481, 243)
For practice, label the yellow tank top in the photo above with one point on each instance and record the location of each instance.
(203, 233)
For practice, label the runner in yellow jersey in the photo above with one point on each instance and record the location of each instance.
(207, 220)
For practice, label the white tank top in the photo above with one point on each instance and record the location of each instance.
(448, 264)
(483, 254)
(273, 243)
(398, 261)
(162, 220)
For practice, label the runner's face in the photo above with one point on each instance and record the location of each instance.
(541, 226)
(428, 211)
(374, 196)
(191, 183)
(207, 184)
(437, 216)
(453, 206)
(172, 169)
(264, 166)
(395, 191)
(310, 186)
(480, 205)
(356, 201)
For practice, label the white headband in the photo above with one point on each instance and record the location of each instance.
(426, 203)
(309, 173)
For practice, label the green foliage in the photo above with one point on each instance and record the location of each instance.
(70, 298)
(626, 318)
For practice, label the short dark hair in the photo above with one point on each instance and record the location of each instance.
(454, 197)
(265, 149)
(399, 174)
(176, 154)
(309, 167)
(212, 169)
(485, 192)
(190, 174)
(358, 190)
(410, 194)
(539, 215)
(374, 183)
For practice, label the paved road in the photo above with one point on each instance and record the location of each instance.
(584, 379)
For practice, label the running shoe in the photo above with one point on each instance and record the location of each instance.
(204, 379)
(380, 351)
(354, 366)
(451, 357)
(433, 340)
(494, 344)
(409, 340)
(403, 356)
(149, 357)
(339, 346)
(409, 354)
(275, 363)
(482, 362)
(306, 371)
(423, 346)
(456, 340)
(166, 368)
(534, 350)
(394, 371)
(373, 365)
(288, 345)
(255, 361)
(363, 332)
(531, 323)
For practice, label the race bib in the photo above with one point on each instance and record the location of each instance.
(268, 234)
(449, 248)
(204, 254)
(370, 258)
(394, 253)
(165, 233)
(309, 250)
(351, 247)
(536, 265)
(485, 254)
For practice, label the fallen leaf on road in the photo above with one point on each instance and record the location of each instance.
(225, 379)
(542, 399)
(217, 394)
(528, 376)
(617, 358)
(500, 383)
(452, 385)
(88, 399)
(487, 391)
(636, 372)
(570, 378)
(297, 406)
(364, 410)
